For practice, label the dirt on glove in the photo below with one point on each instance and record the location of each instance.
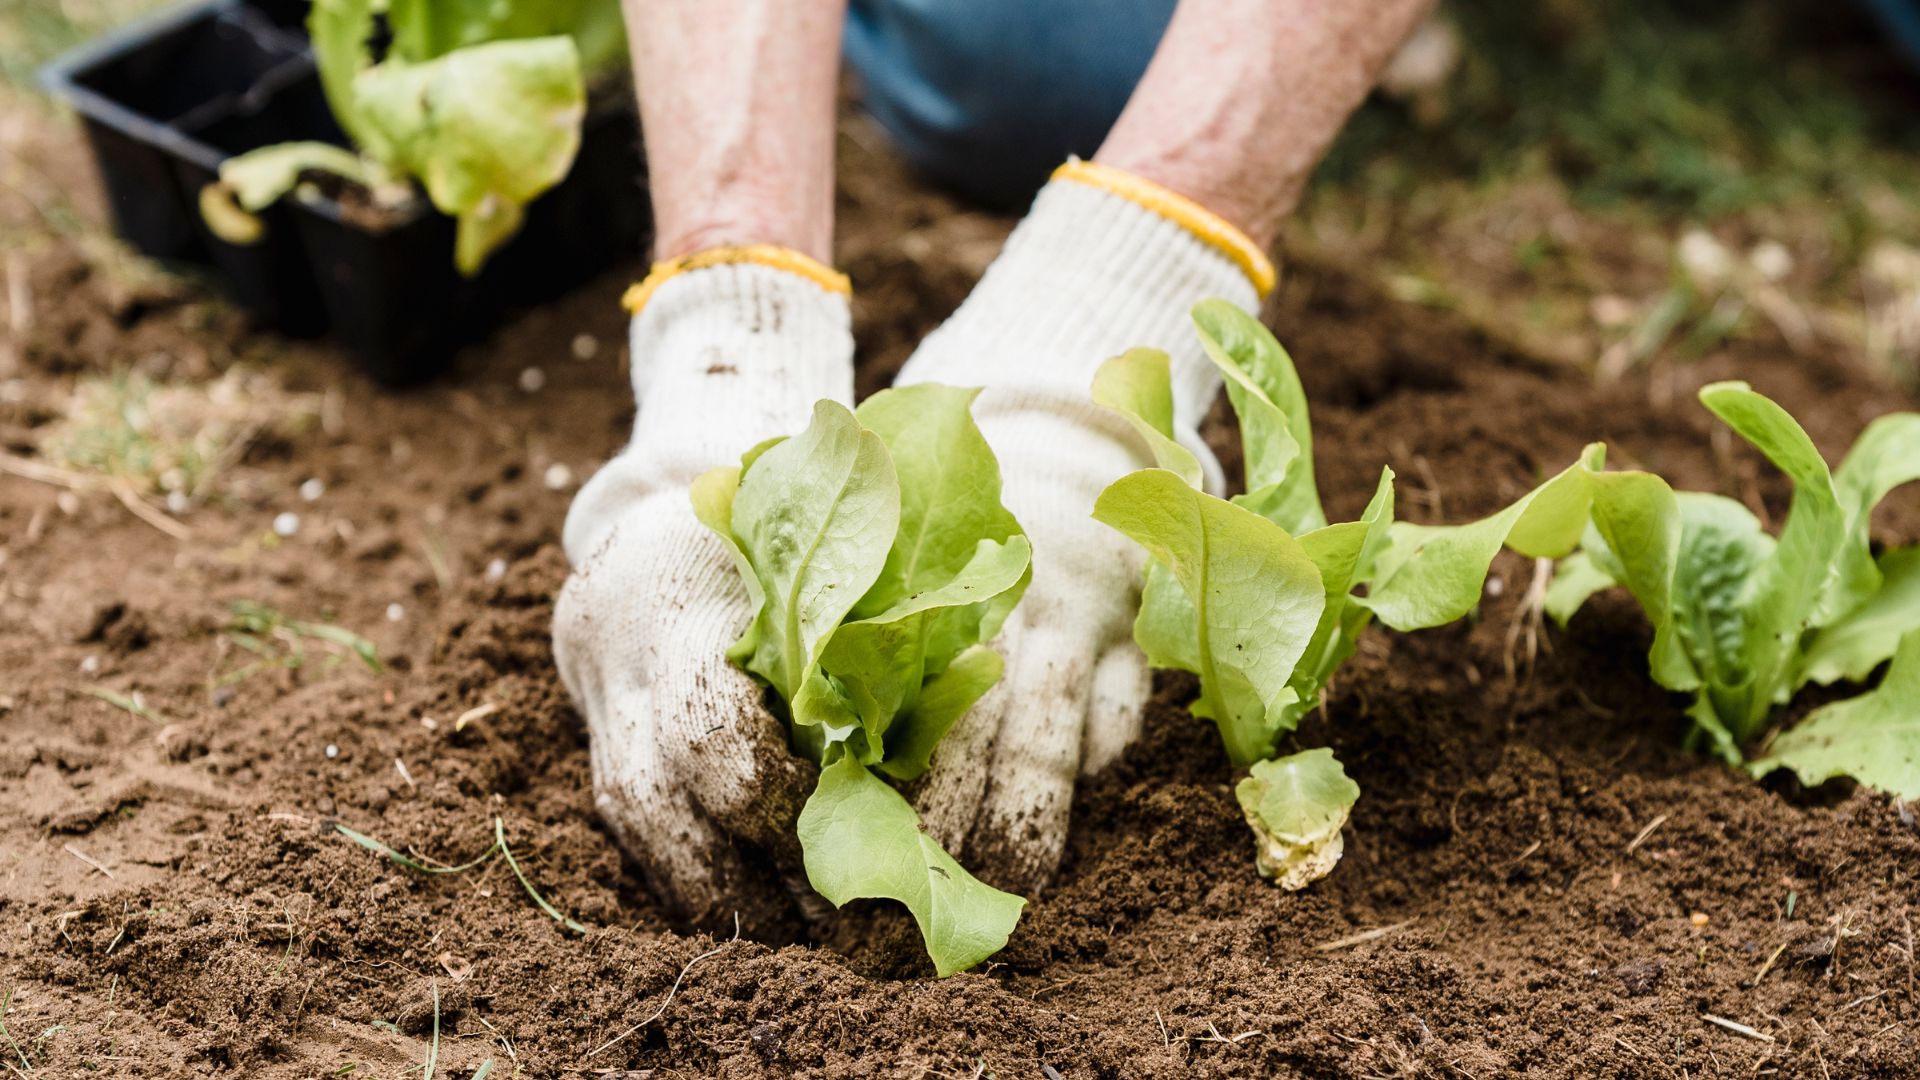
(1537, 881)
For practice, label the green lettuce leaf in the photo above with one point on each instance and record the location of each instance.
(1744, 619)
(872, 670)
(428, 29)
(1874, 738)
(1275, 431)
(1885, 456)
(1431, 575)
(861, 840)
(1786, 589)
(1297, 805)
(1138, 385)
(253, 181)
(480, 100)
(878, 558)
(815, 517)
(486, 128)
(1252, 600)
(342, 35)
(1576, 579)
(1344, 554)
(1863, 639)
(944, 699)
(949, 497)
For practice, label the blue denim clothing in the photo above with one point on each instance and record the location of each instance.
(989, 96)
(1902, 20)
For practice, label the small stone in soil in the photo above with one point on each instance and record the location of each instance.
(532, 380)
(286, 523)
(1640, 979)
(558, 477)
(332, 751)
(312, 488)
(395, 613)
(496, 569)
(585, 346)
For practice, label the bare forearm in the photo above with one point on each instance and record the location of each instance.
(737, 102)
(1243, 97)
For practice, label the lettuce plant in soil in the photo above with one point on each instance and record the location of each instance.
(1743, 619)
(879, 560)
(1263, 599)
(479, 103)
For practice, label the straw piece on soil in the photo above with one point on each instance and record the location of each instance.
(1736, 1027)
(1768, 966)
(1646, 832)
(86, 858)
(1362, 937)
(671, 990)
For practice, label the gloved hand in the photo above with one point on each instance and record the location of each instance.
(1104, 262)
(730, 347)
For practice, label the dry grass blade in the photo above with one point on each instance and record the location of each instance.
(139, 508)
(1641, 837)
(125, 702)
(1768, 966)
(28, 469)
(478, 712)
(1736, 1027)
(1362, 937)
(671, 991)
(433, 1048)
(86, 858)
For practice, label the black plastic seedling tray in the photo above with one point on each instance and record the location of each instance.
(164, 101)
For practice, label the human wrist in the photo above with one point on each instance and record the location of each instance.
(744, 226)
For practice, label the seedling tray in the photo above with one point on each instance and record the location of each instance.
(164, 101)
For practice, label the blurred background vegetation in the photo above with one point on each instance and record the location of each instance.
(1599, 182)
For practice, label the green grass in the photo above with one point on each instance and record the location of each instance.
(498, 847)
(33, 32)
(1695, 109)
(280, 641)
(1578, 141)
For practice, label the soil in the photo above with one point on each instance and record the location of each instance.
(1537, 881)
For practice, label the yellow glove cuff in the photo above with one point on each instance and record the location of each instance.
(780, 258)
(1211, 229)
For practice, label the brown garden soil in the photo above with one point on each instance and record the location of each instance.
(1537, 882)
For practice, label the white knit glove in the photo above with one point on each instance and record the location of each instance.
(686, 759)
(1103, 262)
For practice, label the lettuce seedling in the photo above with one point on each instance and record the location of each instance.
(1264, 600)
(1743, 619)
(481, 103)
(879, 560)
